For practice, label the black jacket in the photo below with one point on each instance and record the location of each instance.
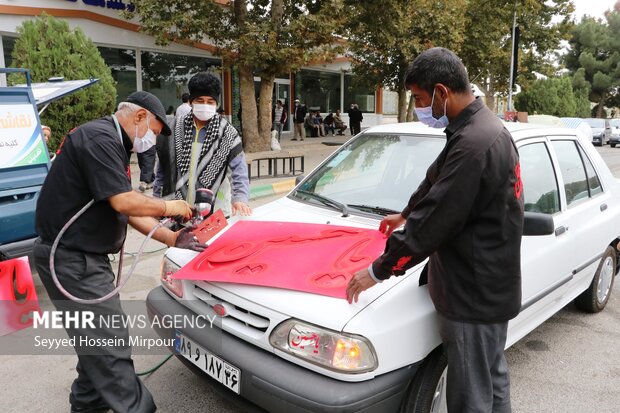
(467, 217)
(355, 116)
(299, 113)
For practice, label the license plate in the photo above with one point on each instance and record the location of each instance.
(220, 370)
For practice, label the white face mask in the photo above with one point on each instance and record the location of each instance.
(203, 111)
(146, 142)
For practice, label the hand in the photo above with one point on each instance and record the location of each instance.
(178, 208)
(186, 239)
(241, 208)
(390, 223)
(361, 281)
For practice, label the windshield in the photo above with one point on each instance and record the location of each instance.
(374, 173)
(596, 123)
(614, 123)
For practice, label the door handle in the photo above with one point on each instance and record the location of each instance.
(560, 230)
(603, 207)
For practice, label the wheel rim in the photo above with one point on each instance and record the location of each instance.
(439, 404)
(605, 279)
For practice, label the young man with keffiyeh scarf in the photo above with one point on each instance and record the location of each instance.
(205, 151)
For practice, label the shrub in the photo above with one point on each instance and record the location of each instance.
(49, 48)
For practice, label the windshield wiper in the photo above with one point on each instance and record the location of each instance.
(373, 209)
(325, 201)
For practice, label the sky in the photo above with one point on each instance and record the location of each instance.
(594, 8)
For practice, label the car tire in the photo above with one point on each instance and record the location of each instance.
(427, 391)
(595, 298)
(613, 145)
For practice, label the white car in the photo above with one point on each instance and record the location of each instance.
(572, 204)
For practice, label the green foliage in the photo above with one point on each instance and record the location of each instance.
(49, 48)
(594, 59)
(384, 37)
(486, 49)
(552, 96)
(259, 37)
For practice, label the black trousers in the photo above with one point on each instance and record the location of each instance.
(106, 375)
(146, 162)
(355, 128)
(478, 379)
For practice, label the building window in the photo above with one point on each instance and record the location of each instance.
(166, 75)
(363, 96)
(122, 63)
(8, 44)
(319, 90)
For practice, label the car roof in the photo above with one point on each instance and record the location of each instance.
(518, 130)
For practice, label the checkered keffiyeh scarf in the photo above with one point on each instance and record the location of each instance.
(213, 157)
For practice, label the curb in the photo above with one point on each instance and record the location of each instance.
(271, 189)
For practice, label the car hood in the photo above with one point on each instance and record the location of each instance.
(326, 311)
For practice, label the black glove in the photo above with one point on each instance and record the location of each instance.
(186, 239)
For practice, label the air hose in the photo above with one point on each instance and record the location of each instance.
(120, 281)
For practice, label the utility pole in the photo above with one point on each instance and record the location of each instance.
(512, 57)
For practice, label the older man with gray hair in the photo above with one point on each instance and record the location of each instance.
(93, 164)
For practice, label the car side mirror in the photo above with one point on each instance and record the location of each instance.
(298, 179)
(537, 223)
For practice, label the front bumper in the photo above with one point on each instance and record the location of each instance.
(277, 385)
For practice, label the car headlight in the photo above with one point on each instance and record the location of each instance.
(168, 268)
(340, 352)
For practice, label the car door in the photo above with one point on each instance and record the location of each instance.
(546, 264)
(587, 205)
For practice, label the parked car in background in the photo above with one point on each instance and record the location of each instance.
(614, 137)
(579, 124)
(601, 131)
(283, 350)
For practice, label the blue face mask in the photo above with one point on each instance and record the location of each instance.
(425, 115)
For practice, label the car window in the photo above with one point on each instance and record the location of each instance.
(380, 170)
(540, 186)
(594, 184)
(572, 170)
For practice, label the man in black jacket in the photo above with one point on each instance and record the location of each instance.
(355, 119)
(467, 217)
(299, 116)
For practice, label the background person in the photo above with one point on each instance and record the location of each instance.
(279, 117)
(146, 163)
(328, 124)
(339, 123)
(355, 119)
(212, 143)
(47, 135)
(94, 164)
(299, 117)
(184, 108)
(467, 218)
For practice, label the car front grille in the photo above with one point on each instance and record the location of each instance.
(238, 319)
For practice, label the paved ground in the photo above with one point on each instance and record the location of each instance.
(569, 364)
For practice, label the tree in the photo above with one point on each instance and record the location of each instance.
(384, 37)
(594, 58)
(486, 49)
(49, 48)
(552, 96)
(259, 37)
(581, 88)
